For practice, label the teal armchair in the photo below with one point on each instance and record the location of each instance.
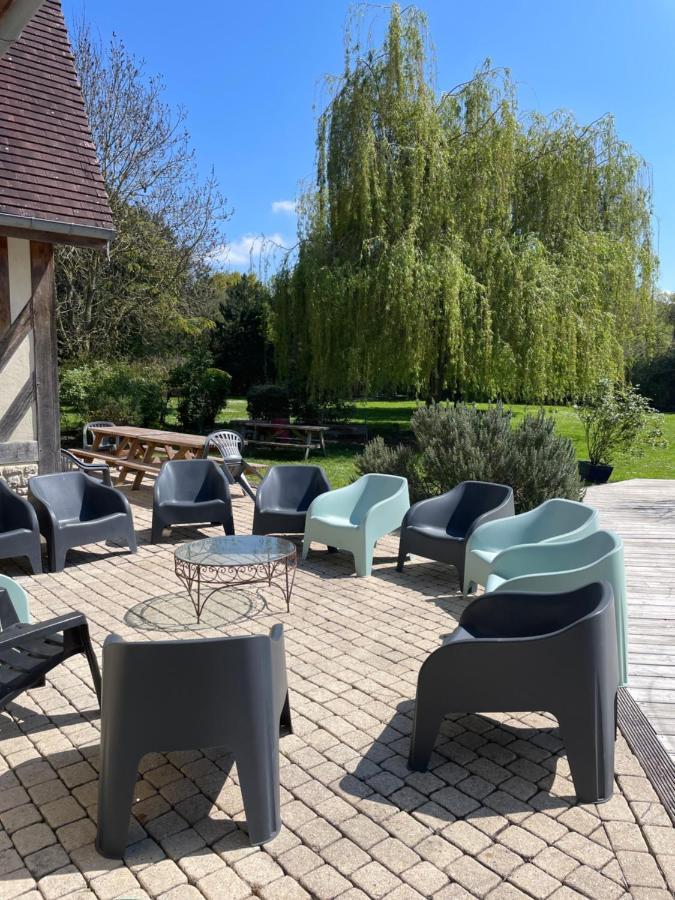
(552, 522)
(18, 597)
(353, 518)
(556, 568)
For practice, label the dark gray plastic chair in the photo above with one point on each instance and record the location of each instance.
(228, 444)
(28, 652)
(531, 652)
(19, 530)
(191, 492)
(72, 463)
(108, 442)
(438, 528)
(228, 692)
(75, 509)
(284, 497)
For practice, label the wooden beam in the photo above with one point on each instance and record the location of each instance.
(46, 366)
(18, 452)
(16, 410)
(55, 237)
(5, 305)
(17, 331)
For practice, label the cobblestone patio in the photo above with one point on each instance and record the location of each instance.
(495, 816)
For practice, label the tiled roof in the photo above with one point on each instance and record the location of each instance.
(48, 165)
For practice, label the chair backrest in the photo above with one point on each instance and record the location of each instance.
(476, 498)
(19, 602)
(188, 480)
(62, 492)
(11, 513)
(291, 487)
(88, 436)
(151, 686)
(374, 488)
(556, 518)
(512, 614)
(228, 444)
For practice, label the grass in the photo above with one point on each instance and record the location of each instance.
(386, 417)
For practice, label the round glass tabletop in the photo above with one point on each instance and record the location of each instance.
(237, 550)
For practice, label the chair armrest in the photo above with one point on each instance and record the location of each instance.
(378, 517)
(15, 633)
(22, 513)
(529, 559)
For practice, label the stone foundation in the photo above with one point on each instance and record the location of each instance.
(17, 475)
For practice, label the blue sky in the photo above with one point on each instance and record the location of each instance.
(250, 75)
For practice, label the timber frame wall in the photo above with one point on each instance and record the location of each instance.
(36, 399)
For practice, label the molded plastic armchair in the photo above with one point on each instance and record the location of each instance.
(284, 497)
(18, 598)
(229, 444)
(28, 652)
(548, 568)
(528, 652)
(75, 509)
(353, 518)
(552, 522)
(149, 694)
(189, 492)
(108, 442)
(72, 463)
(19, 530)
(438, 528)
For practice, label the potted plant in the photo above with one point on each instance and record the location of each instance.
(616, 419)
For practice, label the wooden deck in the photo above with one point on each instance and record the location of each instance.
(642, 511)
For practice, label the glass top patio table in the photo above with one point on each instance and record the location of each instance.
(207, 565)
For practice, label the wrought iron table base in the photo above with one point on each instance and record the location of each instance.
(202, 581)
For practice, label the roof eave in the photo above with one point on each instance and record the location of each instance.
(55, 232)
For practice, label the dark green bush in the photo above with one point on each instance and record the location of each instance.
(656, 379)
(268, 401)
(321, 412)
(460, 443)
(125, 393)
(202, 392)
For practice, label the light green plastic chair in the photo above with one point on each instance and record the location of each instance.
(554, 568)
(353, 518)
(552, 522)
(18, 597)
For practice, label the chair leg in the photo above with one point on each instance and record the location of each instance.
(119, 773)
(363, 561)
(246, 487)
(426, 725)
(258, 773)
(402, 555)
(588, 733)
(131, 538)
(88, 651)
(285, 723)
(157, 529)
(306, 544)
(56, 555)
(228, 525)
(35, 558)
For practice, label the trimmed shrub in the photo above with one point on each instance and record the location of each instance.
(267, 402)
(125, 393)
(399, 460)
(322, 412)
(202, 392)
(461, 443)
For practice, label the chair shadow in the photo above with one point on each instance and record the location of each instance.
(145, 808)
(447, 767)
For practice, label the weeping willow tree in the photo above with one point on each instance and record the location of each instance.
(452, 245)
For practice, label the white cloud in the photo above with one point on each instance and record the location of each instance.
(245, 252)
(284, 206)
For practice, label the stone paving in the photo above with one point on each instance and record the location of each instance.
(495, 815)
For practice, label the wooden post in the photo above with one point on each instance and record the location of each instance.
(46, 364)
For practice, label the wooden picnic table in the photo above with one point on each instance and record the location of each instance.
(143, 450)
(284, 434)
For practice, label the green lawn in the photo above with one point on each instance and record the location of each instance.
(387, 417)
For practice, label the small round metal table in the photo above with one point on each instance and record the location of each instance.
(209, 565)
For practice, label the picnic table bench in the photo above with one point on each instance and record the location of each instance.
(142, 451)
(283, 434)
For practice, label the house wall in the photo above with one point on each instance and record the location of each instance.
(28, 388)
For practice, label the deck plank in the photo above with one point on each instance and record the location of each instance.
(642, 511)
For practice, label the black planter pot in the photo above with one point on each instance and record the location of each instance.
(594, 474)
